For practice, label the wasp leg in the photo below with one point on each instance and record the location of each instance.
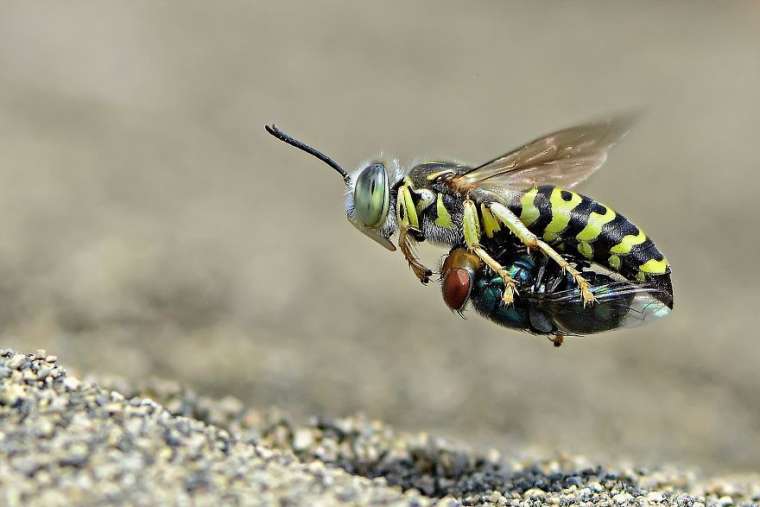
(408, 226)
(510, 286)
(405, 242)
(530, 240)
(471, 227)
(558, 339)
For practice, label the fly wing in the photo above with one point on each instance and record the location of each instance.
(618, 305)
(603, 293)
(563, 158)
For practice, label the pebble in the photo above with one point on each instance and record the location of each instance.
(302, 440)
(622, 498)
(71, 383)
(64, 441)
(535, 492)
(16, 361)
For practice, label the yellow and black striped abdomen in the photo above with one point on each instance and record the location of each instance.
(592, 230)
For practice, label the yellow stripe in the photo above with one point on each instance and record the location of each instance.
(586, 250)
(436, 175)
(654, 267)
(444, 217)
(614, 262)
(560, 209)
(408, 203)
(471, 224)
(490, 224)
(628, 242)
(595, 223)
(529, 211)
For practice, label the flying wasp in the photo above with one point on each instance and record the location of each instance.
(521, 199)
(549, 302)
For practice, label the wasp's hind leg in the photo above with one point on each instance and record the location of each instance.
(530, 240)
(408, 229)
(471, 226)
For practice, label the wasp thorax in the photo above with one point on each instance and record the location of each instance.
(371, 195)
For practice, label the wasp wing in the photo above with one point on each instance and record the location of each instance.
(563, 158)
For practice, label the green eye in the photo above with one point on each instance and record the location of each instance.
(370, 195)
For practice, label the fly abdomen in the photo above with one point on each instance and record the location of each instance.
(593, 230)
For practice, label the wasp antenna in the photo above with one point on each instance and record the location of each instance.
(282, 136)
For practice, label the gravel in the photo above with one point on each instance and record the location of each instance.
(64, 441)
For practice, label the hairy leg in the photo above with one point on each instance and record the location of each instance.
(471, 226)
(530, 240)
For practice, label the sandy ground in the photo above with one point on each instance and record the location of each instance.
(150, 226)
(71, 442)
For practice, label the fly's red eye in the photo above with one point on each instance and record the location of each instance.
(456, 288)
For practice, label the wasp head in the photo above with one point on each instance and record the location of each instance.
(368, 198)
(368, 192)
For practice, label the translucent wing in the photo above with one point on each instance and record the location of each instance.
(563, 158)
(618, 305)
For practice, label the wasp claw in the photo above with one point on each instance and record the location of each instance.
(510, 289)
(586, 294)
(422, 273)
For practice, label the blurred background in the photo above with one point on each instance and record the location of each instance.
(150, 226)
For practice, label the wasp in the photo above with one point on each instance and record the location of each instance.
(521, 199)
(550, 301)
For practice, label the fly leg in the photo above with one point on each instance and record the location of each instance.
(530, 240)
(409, 227)
(557, 339)
(471, 226)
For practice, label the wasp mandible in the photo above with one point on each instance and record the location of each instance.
(521, 198)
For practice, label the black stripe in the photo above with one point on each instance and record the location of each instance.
(431, 212)
(452, 204)
(639, 255)
(644, 252)
(613, 232)
(579, 216)
(516, 208)
(542, 202)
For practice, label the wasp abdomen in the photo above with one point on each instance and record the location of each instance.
(592, 229)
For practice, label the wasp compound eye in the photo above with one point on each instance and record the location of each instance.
(371, 195)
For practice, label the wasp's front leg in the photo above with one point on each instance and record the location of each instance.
(408, 227)
(530, 240)
(471, 226)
